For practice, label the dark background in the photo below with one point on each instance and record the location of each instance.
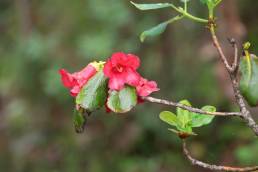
(38, 37)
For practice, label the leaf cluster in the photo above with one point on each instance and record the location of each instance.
(185, 120)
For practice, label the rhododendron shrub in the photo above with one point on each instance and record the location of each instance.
(115, 84)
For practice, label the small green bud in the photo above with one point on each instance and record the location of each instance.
(246, 45)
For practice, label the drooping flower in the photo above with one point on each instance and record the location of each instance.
(75, 81)
(121, 70)
(145, 87)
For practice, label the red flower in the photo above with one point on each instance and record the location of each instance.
(77, 80)
(145, 87)
(121, 70)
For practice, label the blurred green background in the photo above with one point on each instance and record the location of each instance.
(38, 37)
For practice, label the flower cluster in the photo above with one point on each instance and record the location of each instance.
(120, 71)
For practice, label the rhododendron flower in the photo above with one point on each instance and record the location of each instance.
(77, 80)
(121, 70)
(145, 87)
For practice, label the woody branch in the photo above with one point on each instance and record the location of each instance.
(243, 114)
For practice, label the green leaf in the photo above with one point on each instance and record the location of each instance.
(186, 128)
(184, 117)
(249, 79)
(122, 101)
(168, 117)
(94, 94)
(157, 30)
(79, 121)
(185, 120)
(199, 120)
(151, 6)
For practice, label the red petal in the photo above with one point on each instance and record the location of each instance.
(88, 71)
(67, 78)
(108, 68)
(84, 75)
(116, 83)
(145, 87)
(140, 100)
(77, 80)
(118, 58)
(133, 61)
(132, 77)
(75, 91)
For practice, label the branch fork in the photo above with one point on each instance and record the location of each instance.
(244, 113)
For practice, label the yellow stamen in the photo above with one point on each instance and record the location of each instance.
(98, 65)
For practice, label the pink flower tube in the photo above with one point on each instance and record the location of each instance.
(77, 80)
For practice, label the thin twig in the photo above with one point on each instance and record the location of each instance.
(245, 113)
(191, 109)
(235, 64)
(212, 166)
(218, 47)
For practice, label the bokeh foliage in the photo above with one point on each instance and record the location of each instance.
(36, 131)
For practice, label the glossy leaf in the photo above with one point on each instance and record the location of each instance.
(168, 117)
(249, 79)
(159, 28)
(185, 120)
(79, 121)
(184, 116)
(186, 128)
(151, 6)
(122, 101)
(199, 120)
(93, 95)
(154, 31)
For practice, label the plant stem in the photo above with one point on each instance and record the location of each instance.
(218, 2)
(215, 167)
(197, 19)
(218, 46)
(185, 5)
(191, 109)
(186, 14)
(245, 113)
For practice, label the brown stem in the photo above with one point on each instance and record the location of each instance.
(235, 64)
(191, 109)
(212, 166)
(218, 47)
(233, 71)
(244, 112)
(246, 115)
